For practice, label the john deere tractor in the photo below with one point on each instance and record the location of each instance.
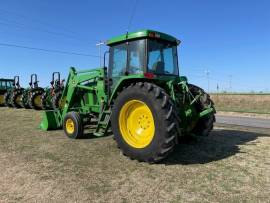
(51, 98)
(31, 97)
(14, 95)
(139, 96)
(5, 86)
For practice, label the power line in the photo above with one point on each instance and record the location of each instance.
(17, 25)
(67, 34)
(48, 50)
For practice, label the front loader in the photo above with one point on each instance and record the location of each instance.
(31, 97)
(139, 96)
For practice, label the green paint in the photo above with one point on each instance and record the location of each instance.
(142, 34)
(206, 112)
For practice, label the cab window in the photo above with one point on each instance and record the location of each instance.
(136, 56)
(162, 57)
(118, 60)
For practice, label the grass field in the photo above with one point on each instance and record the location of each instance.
(231, 165)
(249, 103)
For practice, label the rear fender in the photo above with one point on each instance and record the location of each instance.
(124, 82)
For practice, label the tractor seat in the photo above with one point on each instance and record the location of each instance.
(158, 67)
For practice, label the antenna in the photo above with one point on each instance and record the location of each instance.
(207, 72)
(132, 15)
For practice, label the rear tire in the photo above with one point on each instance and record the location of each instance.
(35, 101)
(16, 98)
(148, 98)
(56, 100)
(205, 125)
(2, 99)
(7, 99)
(25, 101)
(73, 125)
(44, 104)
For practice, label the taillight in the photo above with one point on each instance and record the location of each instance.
(149, 75)
(154, 35)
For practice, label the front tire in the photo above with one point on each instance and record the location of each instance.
(73, 125)
(143, 122)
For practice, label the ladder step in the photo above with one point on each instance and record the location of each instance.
(98, 134)
(107, 111)
(103, 122)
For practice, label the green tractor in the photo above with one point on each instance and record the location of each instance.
(140, 97)
(31, 97)
(51, 98)
(5, 86)
(14, 95)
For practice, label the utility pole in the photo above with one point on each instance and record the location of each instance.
(208, 79)
(230, 83)
(99, 47)
(217, 92)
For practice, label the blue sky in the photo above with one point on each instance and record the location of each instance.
(228, 39)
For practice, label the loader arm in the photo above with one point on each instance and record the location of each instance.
(90, 83)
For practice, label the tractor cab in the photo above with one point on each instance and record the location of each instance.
(147, 53)
(6, 84)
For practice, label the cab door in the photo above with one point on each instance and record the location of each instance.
(117, 63)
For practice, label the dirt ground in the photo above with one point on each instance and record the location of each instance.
(231, 165)
(249, 103)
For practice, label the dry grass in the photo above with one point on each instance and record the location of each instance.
(228, 166)
(250, 103)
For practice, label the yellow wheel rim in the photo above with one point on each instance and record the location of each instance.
(37, 100)
(136, 124)
(70, 127)
(18, 99)
(2, 100)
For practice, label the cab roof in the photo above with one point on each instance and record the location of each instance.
(4, 79)
(142, 34)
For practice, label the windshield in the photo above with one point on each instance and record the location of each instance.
(5, 84)
(162, 57)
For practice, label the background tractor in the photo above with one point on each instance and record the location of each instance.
(13, 96)
(51, 98)
(140, 97)
(5, 85)
(31, 97)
